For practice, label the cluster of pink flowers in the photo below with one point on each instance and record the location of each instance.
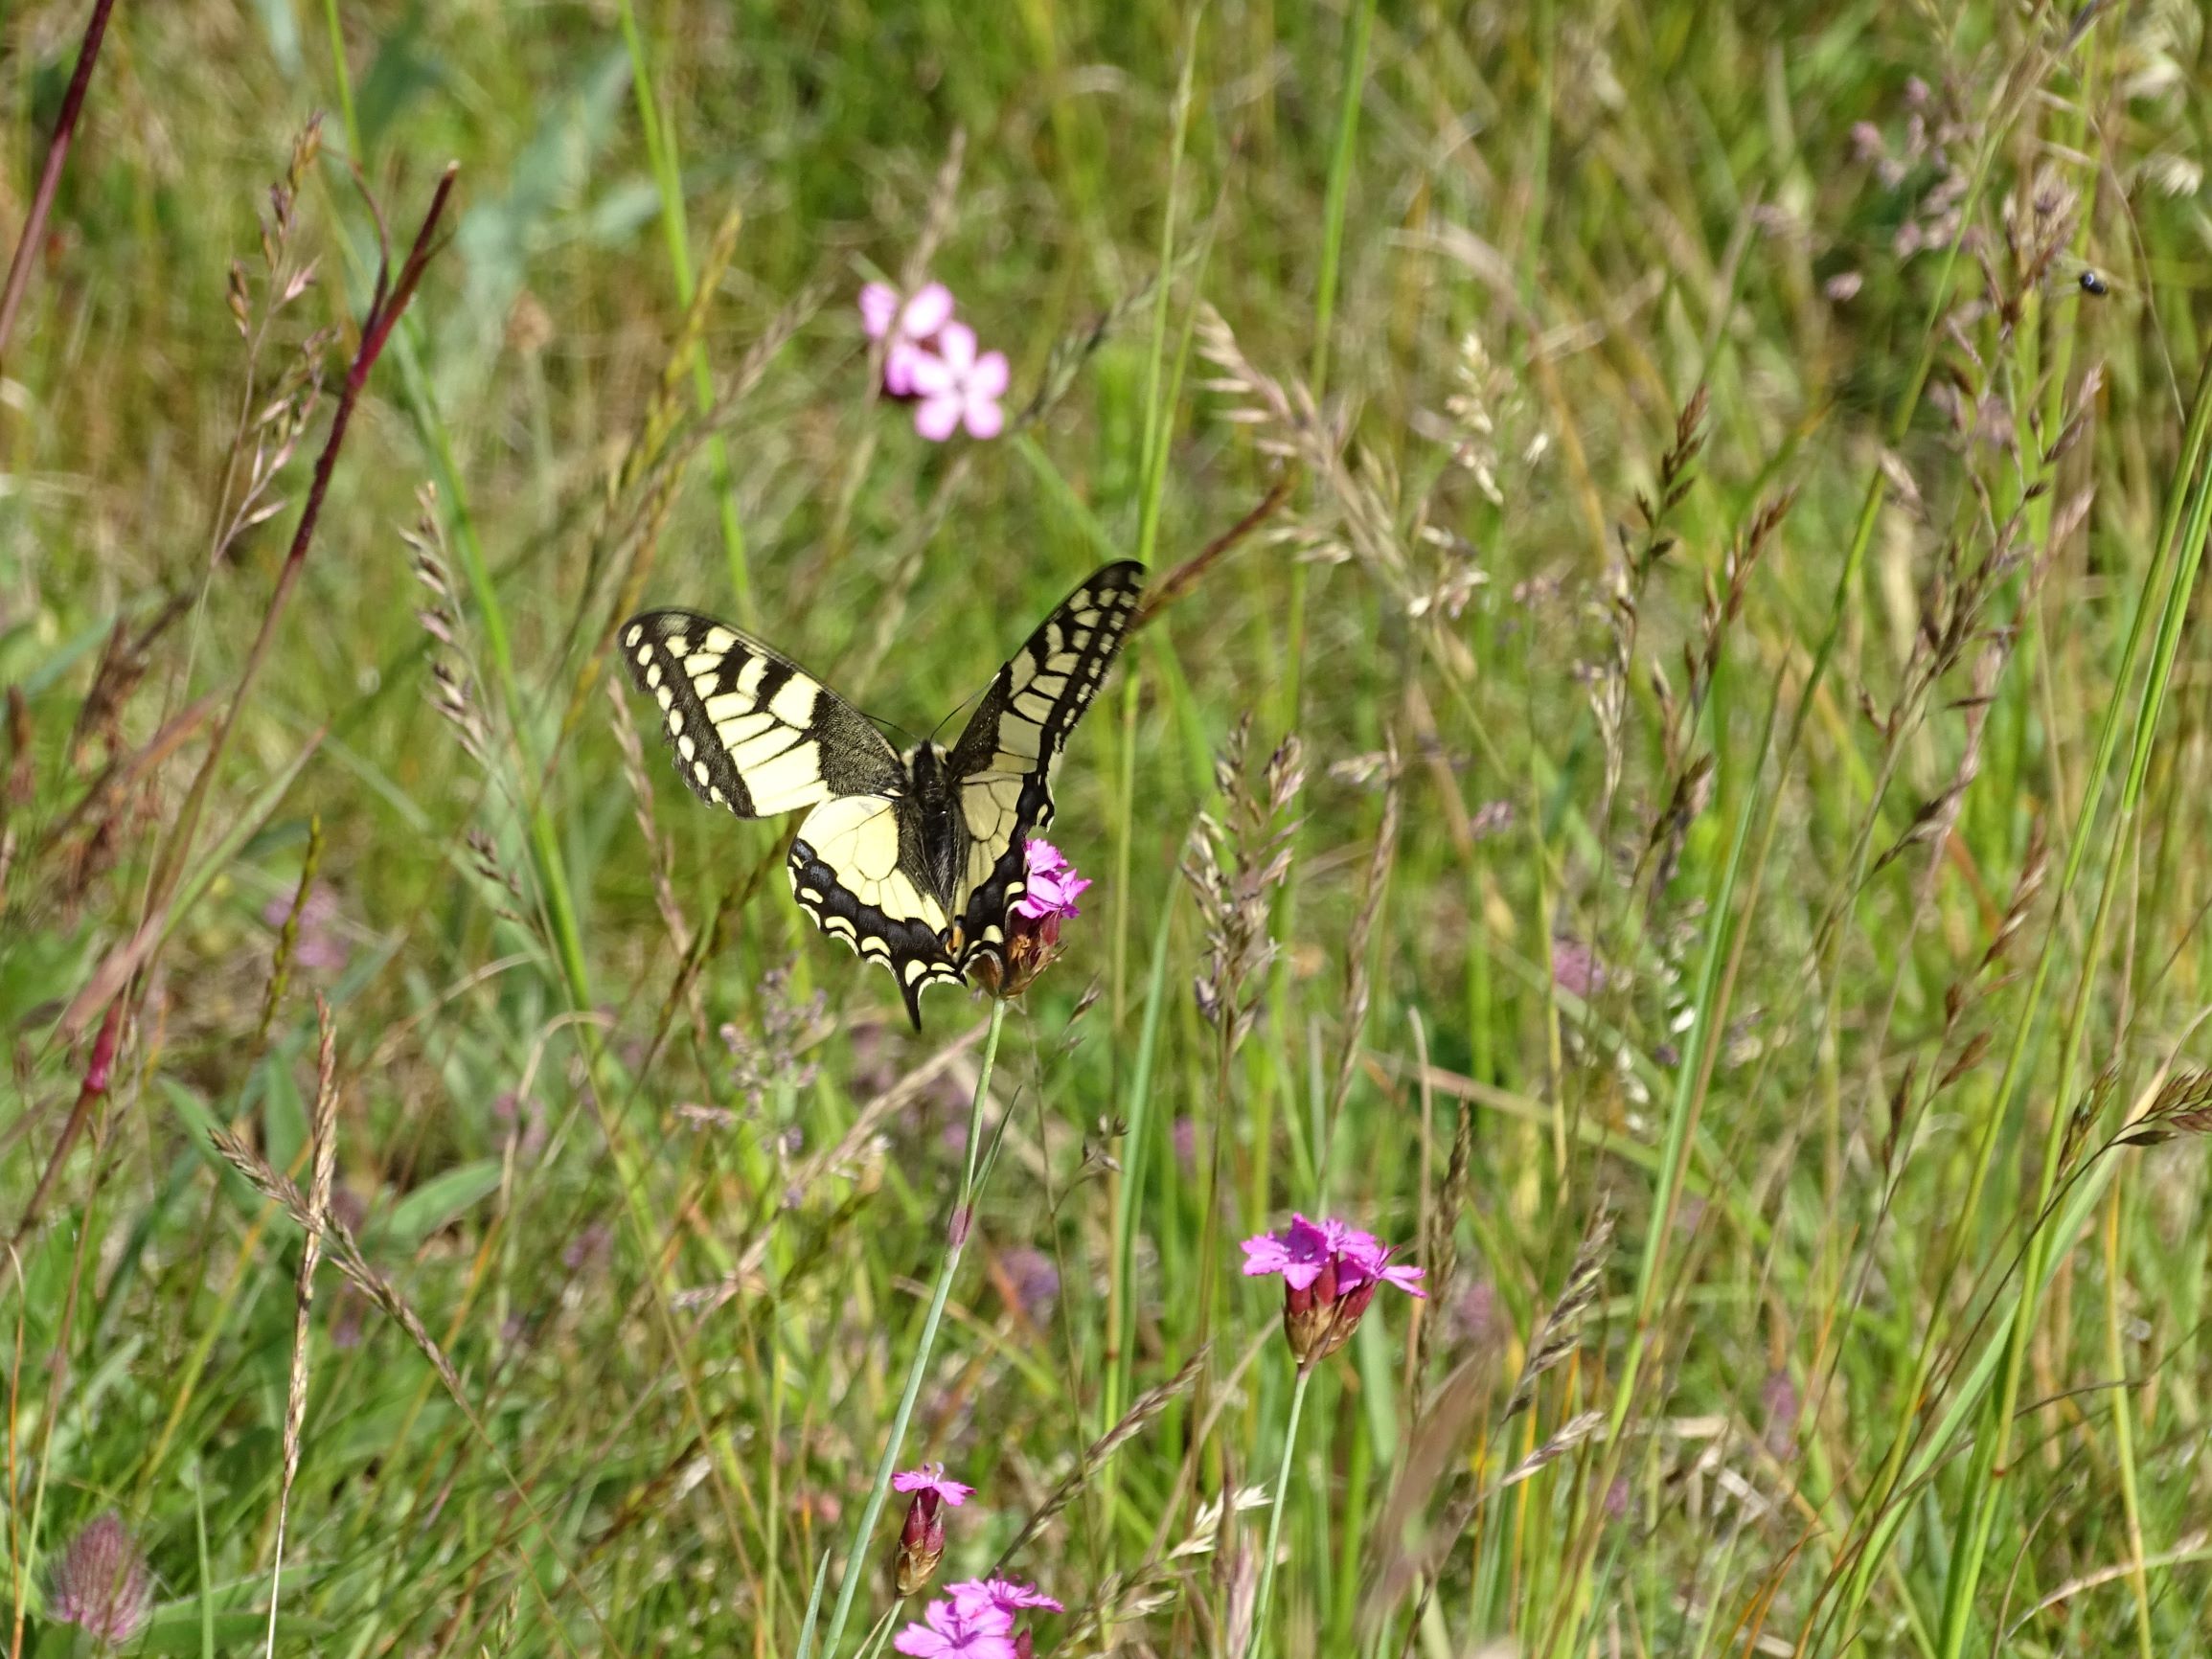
(1330, 1271)
(977, 1619)
(102, 1583)
(1050, 887)
(976, 1622)
(931, 361)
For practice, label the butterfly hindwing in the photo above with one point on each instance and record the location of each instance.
(752, 730)
(1004, 762)
(853, 871)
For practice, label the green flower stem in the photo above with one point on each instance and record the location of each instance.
(1266, 1593)
(880, 1634)
(962, 1225)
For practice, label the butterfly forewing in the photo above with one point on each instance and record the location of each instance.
(752, 730)
(1004, 762)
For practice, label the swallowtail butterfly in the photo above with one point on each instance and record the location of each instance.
(913, 860)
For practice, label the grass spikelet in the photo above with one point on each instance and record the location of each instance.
(1570, 1433)
(1562, 1331)
(633, 773)
(2182, 1106)
(1356, 970)
(288, 937)
(1123, 1597)
(313, 1219)
(345, 1251)
(1358, 519)
(1234, 865)
(1145, 1407)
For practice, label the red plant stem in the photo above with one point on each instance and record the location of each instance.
(383, 316)
(384, 311)
(57, 152)
(96, 1078)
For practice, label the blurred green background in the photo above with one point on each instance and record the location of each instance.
(1728, 561)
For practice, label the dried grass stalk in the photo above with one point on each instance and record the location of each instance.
(1095, 1457)
(1358, 990)
(324, 1139)
(1561, 1330)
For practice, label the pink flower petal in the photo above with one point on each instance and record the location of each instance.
(898, 365)
(1298, 1253)
(1408, 1277)
(928, 311)
(935, 416)
(879, 307)
(979, 1598)
(984, 418)
(948, 1633)
(930, 1477)
(929, 375)
(1264, 1255)
(1051, 882)
(956, 345)
(990, 376)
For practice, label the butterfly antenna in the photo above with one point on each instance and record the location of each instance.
(960, 707)
(893, 726)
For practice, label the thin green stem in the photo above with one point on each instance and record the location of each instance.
(880, 1633)
(667, 180)
(1266, 1593)
(2123, 1431)
(1361, 28)
(1985, 1492)
(1152, 472)
(345, 79)
(963, 1224)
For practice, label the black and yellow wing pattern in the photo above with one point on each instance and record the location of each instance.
(913, 860)
(752, 730)
(1004, 764)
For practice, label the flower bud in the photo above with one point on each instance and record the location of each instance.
(921, 1544)
(922, 1538)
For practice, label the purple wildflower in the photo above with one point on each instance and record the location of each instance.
(957, 387)
(1576, 968)
(976, 1596)
(1052, 883)
(909, 327)
(1298, 1253)
(588, 1248)
(930, 1478)
(316, 944)
(100, 1583)
(1475, 1314)
(1778, 1396)
(1051, 886)
(1032, 1276)
(1330, 1271)
(947, 1633)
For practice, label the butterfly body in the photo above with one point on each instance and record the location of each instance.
(914, 860)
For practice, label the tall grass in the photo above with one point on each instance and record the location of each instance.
(1704, 507)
